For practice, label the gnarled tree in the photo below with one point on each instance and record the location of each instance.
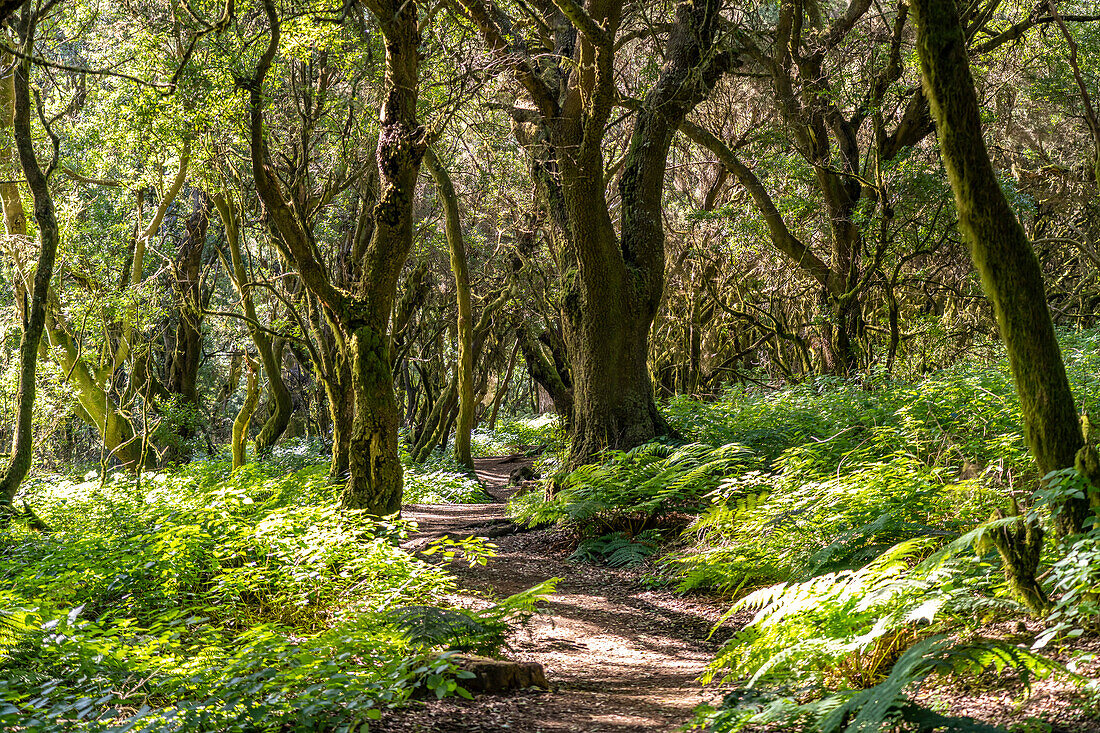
(34, 316)
(612, 280)
(360, 316)
(1001, 251)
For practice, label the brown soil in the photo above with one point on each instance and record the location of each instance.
(619, 656)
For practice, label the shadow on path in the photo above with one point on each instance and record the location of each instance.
(622, 657)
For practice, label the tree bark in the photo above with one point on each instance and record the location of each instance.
(545, 370)
(362, 317)
(34, 320)
(183, 361)
(244, 416)
(502, 388)
(342, 413)
(282, 406)
(1001, 251)
(612, 285)
(465, 420)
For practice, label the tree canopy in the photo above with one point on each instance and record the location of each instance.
(402, 236)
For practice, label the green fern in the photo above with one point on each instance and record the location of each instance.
(457, 629)
(809, 631)
(887, 704)
(762, 527)
(617, 549)
(481, 632)
(630, 490)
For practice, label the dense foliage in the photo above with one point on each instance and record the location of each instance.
(770, 292)
(204, 599)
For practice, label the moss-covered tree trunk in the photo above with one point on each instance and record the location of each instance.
(282, 406)
(548, 368)
(342, 413)
(244, 416)
(96, 406)
(375, 476)
(362, 316)
(15, 218)
(1001, 251)
(374, 466)
(612, 282)
(465, 420)
(501, 388)
(183, 360)
(609, 310)
(34, 317)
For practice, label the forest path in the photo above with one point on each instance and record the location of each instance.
(621, 658)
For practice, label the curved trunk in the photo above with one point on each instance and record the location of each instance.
(502, 388)
(465, 424)
(34, 319)
(281, 405)
(97, 407)
(1001, 252)
(431, 433)
(244, 417)
(546, 369)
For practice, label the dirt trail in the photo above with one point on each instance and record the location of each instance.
(620, 657)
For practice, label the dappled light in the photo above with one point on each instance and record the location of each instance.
(549, 366)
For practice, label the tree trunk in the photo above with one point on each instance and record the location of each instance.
(375, 479)
(431, 433)
(182, 367)
(97, 407)
(502, 388)
(613, 405)
(465, 424)
(183, 361)
(282, 406)
(374, 465)
(375, 471)
(342, 413)
(232, 380)
(34, 319)
(1001, 251)
(244, 417)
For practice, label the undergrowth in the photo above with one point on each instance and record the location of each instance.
(534, 434)
(438, 480)
(847, 517)
(201, 600)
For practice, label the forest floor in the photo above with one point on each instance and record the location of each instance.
(620, 657)
(623, 657)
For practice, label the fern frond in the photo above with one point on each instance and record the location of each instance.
(458, 629)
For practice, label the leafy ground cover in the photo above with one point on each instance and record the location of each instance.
(847, 521)
(535, 433)
(203, 599)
